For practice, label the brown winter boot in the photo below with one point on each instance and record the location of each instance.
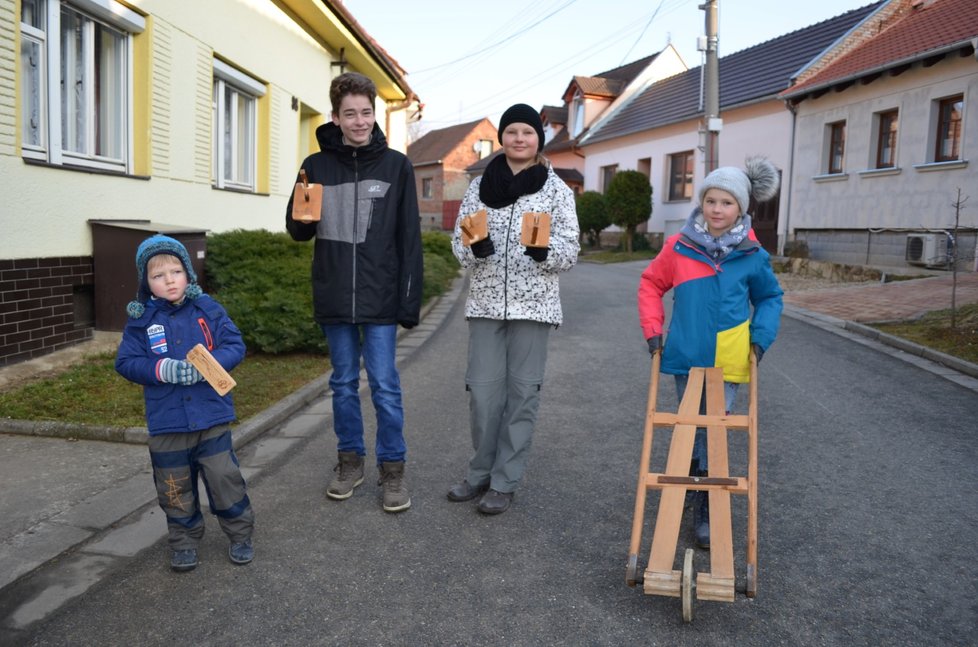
(396, 496)
(349, 474)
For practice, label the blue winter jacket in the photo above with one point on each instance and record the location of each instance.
(712, 320)
(168, 331)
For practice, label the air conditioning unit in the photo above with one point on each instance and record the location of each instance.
(927, 249)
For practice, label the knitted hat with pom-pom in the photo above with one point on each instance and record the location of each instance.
(154, 246)
(758, 178)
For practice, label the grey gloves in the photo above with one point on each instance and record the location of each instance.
(178, 372)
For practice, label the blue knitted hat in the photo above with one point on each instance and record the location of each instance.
(153, 246)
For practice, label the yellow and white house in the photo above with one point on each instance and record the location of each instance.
(181, 113)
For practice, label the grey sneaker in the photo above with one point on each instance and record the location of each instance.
(396, 496)
(241, 552)
(349, 471)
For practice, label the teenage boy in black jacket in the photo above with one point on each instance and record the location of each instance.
(366, 278)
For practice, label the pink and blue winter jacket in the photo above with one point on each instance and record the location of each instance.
(711, 321)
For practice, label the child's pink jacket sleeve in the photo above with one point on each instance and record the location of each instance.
(656, 280)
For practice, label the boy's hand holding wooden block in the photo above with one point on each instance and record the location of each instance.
(536, 229)
(211, 369)
(307, 200)
(474, 227)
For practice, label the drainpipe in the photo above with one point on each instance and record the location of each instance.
(401, 105)
(791, 175)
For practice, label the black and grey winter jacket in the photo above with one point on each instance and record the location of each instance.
(509, 285)
(367, 264)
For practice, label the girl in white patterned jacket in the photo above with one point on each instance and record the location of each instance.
(513, 302)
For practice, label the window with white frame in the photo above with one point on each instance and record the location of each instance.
(76, 80)
(426, 191)
(577, 108)
(235, 127)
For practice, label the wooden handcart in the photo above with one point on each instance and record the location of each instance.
(660, 578)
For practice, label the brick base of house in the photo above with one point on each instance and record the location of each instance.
(46, 304)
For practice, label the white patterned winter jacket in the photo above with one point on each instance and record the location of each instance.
(509, 285)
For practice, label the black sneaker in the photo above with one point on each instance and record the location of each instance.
(701, 519)
(495, 502)
(466, 492)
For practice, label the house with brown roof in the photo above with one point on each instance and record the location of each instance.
(657, 130)
(124, 118)
(886, 122)
(440, 160)
(588, 98)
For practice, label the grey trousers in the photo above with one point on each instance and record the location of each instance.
(178, 460)
(504, 376)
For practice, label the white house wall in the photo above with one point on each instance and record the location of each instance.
(760, 129)
(910, 198)
(46, 209)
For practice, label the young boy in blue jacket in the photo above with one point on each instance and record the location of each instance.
(188, 422)
(718, 272)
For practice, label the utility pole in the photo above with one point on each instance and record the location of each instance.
(712, 124)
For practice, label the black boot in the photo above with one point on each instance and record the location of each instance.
(701, 519)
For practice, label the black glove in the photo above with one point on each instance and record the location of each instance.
(758, 352)
(407, 325)
(483, 248)
(655, 344)
(539, 254)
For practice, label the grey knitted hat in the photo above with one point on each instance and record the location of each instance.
(758, 178)
(153, 246)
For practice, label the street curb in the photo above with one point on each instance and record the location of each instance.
(949, 361)
(834, 324)
(243, 433)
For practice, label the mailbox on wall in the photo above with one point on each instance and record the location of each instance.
(114, 245)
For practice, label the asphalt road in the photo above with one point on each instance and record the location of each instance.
(867, 515)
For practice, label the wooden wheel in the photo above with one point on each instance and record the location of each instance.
(687, 586)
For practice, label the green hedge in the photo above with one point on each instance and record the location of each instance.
(263, 280)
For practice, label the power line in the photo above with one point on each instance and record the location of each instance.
(498, 43)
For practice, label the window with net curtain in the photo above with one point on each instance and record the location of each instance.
(75, 79)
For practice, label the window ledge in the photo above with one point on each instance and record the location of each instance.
(878, 172)
(232, 189)
(83, 169)
(831, 177)
(678, 200)
(940, 166)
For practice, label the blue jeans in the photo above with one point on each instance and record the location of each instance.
(377, 344)
(699, 443)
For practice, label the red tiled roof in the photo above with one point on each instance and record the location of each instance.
(928, 29)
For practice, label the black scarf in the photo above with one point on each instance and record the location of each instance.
(500, 188)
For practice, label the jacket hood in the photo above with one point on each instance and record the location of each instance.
(330, 138)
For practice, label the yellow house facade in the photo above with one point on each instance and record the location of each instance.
(189, 114)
